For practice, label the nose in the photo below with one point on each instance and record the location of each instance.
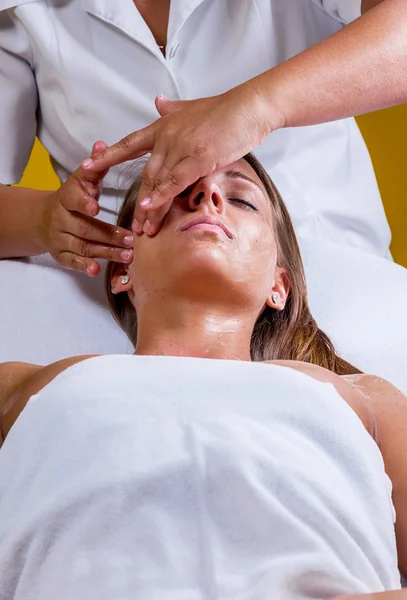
(207, 193)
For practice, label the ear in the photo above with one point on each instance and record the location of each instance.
(120, 280)
(280, 290)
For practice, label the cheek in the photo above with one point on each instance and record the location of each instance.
(151, 253)
(255, 251)
(143, 257)
(152, 256)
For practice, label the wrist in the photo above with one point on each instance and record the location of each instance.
(264, 103)
(40, 220)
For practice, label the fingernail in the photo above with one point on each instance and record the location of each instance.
(126, 255)
(147, 227)
(128, 240)
(145, 203)
(136, 226)
(89, 271)
(88, 163)
(91, 209)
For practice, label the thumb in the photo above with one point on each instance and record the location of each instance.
(98, 147)
(93, 177)
(166, 107)
(88, 177)
(97, 189)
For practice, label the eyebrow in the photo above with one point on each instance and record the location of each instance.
(233, 174)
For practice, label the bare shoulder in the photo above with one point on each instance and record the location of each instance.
(377, 388)
(389, 402)
(19, 381)
(352, 394)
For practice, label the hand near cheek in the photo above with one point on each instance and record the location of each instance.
(150, 222)
(69, 231)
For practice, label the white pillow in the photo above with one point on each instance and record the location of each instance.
(360, 301)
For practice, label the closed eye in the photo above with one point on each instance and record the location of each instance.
(243, 203)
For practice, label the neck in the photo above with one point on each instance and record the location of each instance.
(191, 328)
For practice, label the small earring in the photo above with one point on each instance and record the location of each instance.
(275, 298)
(125, 279)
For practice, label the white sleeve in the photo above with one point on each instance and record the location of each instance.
(18, 99)
(344, 11)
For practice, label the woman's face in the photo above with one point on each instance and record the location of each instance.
(216, 244)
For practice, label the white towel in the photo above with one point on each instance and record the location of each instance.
(169, 478)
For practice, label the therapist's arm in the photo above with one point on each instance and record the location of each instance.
(34, 222)
(368, 4)
(62, 223)
(20, 217)
(361, 68)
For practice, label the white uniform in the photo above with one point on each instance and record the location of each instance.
(81, 70)
(156, 477)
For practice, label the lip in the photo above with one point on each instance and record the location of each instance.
(208, 221)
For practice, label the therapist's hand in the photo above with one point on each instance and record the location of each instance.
(69, 231)
(191, 140)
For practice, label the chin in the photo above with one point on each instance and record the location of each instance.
(205, 272)
(207, 257)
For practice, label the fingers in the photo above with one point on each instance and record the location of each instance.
(90, 239)
(156, 203)
(90, 184)
(132, 146)
(81, 254)
(153, 166)
(81, 202)
(80, 193)
(93, 230)
(155, 219)
(90, 181)
(72, 261)
(86, 249)
(77, 237)
(170, 183)
(87, 176)
(99, 146)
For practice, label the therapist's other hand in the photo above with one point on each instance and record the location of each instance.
(190, 140)
(69, 231)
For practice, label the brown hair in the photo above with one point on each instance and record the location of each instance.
(290, 334)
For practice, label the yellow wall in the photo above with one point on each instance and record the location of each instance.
(386, 135)
(39, 173)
